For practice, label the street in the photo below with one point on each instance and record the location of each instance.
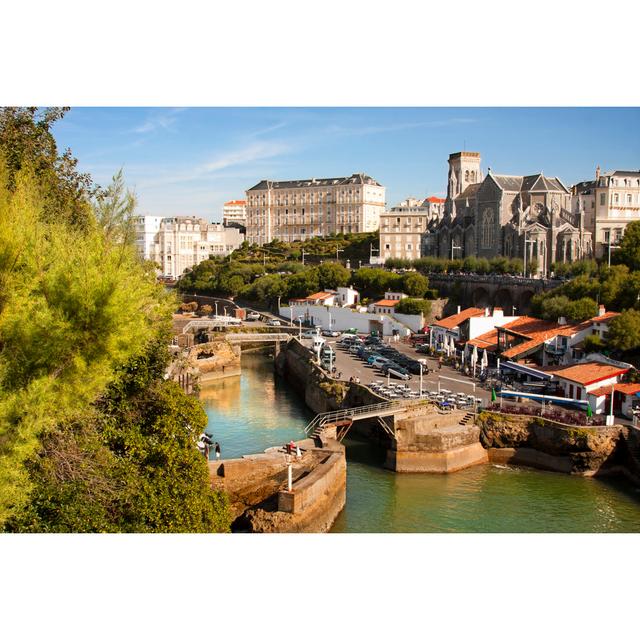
(351, 366)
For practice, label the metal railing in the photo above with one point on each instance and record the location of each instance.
(358, 413)
(257, 337)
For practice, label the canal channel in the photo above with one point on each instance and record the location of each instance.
(258, 409)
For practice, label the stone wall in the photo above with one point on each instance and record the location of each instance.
(550, 445)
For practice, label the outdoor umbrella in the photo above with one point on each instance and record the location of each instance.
(493, 395)
(589, 411)
(484, 363)
(453, 345)
(474, 359)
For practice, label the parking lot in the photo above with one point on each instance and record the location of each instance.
(447, 381)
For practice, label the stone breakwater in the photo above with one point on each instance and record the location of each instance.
(257, 486)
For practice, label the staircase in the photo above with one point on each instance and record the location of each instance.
(467, 418)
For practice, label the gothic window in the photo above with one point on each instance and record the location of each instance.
(486, 229)
(473, 176)
(466, 176)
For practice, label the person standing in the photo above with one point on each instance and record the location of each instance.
(216, 448)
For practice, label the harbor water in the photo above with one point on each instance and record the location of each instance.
(257, 410)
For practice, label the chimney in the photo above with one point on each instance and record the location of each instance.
(458, 308)
(486, 312)
(498, 313)
(562, 320)
(597, 172)
(601, 311)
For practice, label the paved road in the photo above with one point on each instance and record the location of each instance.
(351, 366)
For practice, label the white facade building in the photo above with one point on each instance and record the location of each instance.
(609, 203)
(146, 228)
(234, 212)
(181, 242)
(301, 209)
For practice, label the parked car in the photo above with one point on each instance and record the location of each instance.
(271, 322)
(397, 371)
(310, 334)
(330, 333)
(253, 315)
(377, 362)
(423, 348)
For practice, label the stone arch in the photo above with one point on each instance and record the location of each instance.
(503, 298)
(524, 302)
(480, 297)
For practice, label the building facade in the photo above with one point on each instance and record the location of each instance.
(403, 227)
(301, 209)
(507, 215)
(181, 242)
(234, 213)
(609, 203)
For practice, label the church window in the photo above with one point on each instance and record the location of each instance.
(473, 176)
(486, 229)
(466, 176)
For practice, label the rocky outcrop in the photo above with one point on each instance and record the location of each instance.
(578, 450)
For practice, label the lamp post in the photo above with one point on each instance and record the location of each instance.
(422, 362)
(300, 327)
(304, 253)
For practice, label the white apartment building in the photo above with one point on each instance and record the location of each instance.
(234, 212)
(610, 203)
(180, 243)
(301, 209)
(402, 228)
(146, 228)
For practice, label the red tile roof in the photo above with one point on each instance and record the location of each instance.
(605, 317)
(235, 202)
(453, 321)
(436, 199)
(322, 295)
(586, 373)
(488, 340)
(628, 388)
(537, 332)
(386, 303)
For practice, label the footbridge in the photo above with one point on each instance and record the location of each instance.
(342, 419)
(257, 337)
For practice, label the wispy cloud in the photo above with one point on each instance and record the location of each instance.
(253, 153)
(261, 132)
(159, 121)
(388, 128)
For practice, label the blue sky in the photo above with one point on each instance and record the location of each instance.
(189, 161)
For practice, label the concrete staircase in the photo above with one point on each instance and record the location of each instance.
(466, 419)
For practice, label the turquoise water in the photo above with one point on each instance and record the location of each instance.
(258, 410)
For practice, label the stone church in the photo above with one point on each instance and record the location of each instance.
(506, 215)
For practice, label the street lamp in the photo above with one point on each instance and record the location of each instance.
(338, 251)
(422, 362)
(304, 253)
(300, 327)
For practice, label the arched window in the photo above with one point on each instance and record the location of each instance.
(466, 176)
(473, 176)
(486, 229)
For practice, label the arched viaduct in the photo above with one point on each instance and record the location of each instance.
(513, 294)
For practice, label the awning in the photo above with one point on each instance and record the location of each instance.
(529, 371)
(542, 398)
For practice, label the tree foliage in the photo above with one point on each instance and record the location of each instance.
(78, 310)
(628, 252)
(414, 306)
(624, 331)
(26, 141)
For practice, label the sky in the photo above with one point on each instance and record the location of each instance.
(189, 161)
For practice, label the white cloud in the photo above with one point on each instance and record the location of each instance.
(162, 120)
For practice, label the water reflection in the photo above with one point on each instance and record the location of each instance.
(259, 410)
